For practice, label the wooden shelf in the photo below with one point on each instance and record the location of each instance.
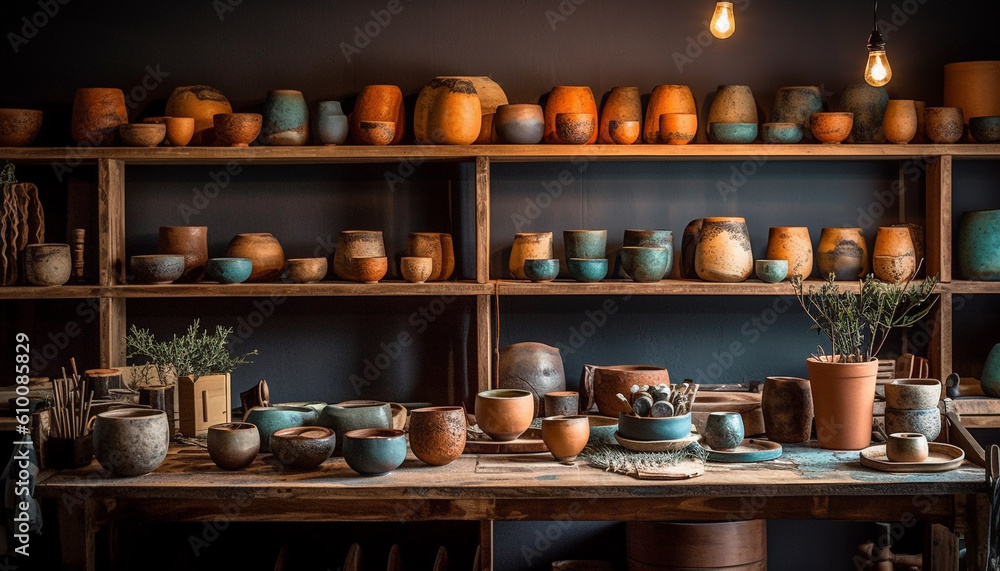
(970, 287)
(52, 292)
(663, 287)
(321, 289)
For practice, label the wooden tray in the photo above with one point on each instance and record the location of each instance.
(750, 450)
(520, 446)
(942, 458)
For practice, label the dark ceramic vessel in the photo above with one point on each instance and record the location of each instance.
(374, 451)
(233, 445)
(302, 447)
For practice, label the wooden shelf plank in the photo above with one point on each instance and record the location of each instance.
(663, 287)
(320, 289)
(970, 287)
(52, 292)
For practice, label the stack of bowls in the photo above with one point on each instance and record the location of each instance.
(586, 254)
(732, 117)
(647, 255)
(911, 406)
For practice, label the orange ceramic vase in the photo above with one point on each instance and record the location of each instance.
(791, 243)
(623, 104)
(894, 241)
(842, 252)
(843, 398)
(379, 103)
(202, 103)
(568, 99)
(265, 254)
(723, 253)
(447, 112)
(97, 113)
(900, 121)
(491, 96)
(666, 99)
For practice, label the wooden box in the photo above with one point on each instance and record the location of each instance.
(203, 403)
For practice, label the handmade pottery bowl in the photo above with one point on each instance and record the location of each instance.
(723, 430)
(613, 379)
(142, 134)
(519, 124)
(416, 269)
(602, 429)
(678, 128)
(269, 419)
(180, 130)
(565, 436)
(985, 129)
(944, 125)
(19, 127)
(305, 270)
(541, 270)
(374, 451)
(345, 417)
(913, 394)
(504, 414)
(649, 428)
(368, 269)
(302, 447)
(575, 128)
(926, 422)
(437, 434)
(228, 270)
(906, 447)
(376, 132)
(131, 442)
(585, 243)
(233, 445)
(646, 264)
(782, 133)
(831, 127)
(624, 132)
(157, 268)
(771, 271)
(733, 133)
(237, 129)
(894, 269)
(47, 264)
(588, 269)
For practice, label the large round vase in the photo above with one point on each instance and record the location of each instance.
(264, 252)
(286, 118)
(787, 406)
(843, 400)
(795, 105)
(791, 243)
(131, 442)
(190, 242)
(979, 245)
(842, 252)
(868, 105)
(447, 112)
(665, 99)
(534, 367)
(97, 114)
(437, 434)
(568, 99)
(379, 103)
(723, 253)
(202, 103)
(622, 104)
(613, 379)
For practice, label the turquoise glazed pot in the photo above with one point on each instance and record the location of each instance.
(228, 270)
(650, 429)
(646, 264)
(979, 245)
(868, 105)
(585, 243)
(782, 133)
(268, 419)
(771, 271)
(345, 418)
(734, 133)
(374, 451)
(990, 379)
(286, 118)
(331, 123)
(541, 270)
(723, 430)
(588, 269)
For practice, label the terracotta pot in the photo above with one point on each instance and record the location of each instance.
(689, 244)
(729, 545)
(900, 122)
(437, 434)
(356, 244)
(527, 246)
(843, 400)
(379, 103)
(944, 125)
(732, 104)
(491, 96)
(795, 105)
(921, 136)
(190, 242)
(614, 379)
(504, 414)
(367, 269)
(377, 133)
(47, 264)
(895, 242)
(19, 127)
(894, 269)
(575, 128)
(842, 252)
(264, 252)
(916, 237)
(131, 442)
(786, 403)
(180, 130)
(97, 114)
(438, 247)
(666, 99)
(235, 129)
(678, 128)
(233, 445)
(519, 124)
(623, 104)
(974, 86)
(565, 436)
(723, 253)
(568, 99)
(978, 249)
(533, 367)
(868, 105)
(416, 269)
(831, 127)
(791, 243)
(447, 112)
(202, 103)
(285, 118)
(624, 132)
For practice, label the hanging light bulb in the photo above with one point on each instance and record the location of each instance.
(877, 70)
(723, 20)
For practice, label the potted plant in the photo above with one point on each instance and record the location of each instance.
(857, 325)
(200, 364)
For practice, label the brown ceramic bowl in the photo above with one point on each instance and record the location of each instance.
(575, 128)
(369, 269)
(416, 269)
(236, 129)
(831, 127)
(302, 447)
(142, 134)
(504, 414)
(19, 127)
(437, 434)
(376, 132)
(305, 270)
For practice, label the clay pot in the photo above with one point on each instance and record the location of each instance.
(786, 403)
(678, 128)
(900, 122)
(906, 447)
(286, 118)
(565, 436)
(585, 243)
(47, 264)
(916, 237)
(568, 99)
(157, 268)
(202, 103)
(437, 246)
(868, 105)
(912, 394)
(379, 103)
(587, 269)
(723, 253)
(302, 447)
(795, 105)
(520, 124)
(447, 112)
(378, 133)
(19, 127)
(306, 270)
(732, 104)
(646, 264)
(269, 419)
(781, 133)
(832, 127)
(97, 114)
(925, 421)
(575, 128)
(842, 252)
(944, 125)
(770, 271)
(190, 242)
(893, 241)
(985, 129)
(666, 99)
(416, 269)
(791, 243)
(264, 252)
(723, 430)
(236, 129)
(533, 367)
(978, 250)
(561, 403)
(491, 96)
(233, 445)
(529, 246)
(131, 442)
(504, 414)
(367, 269)
(623, 105)
(437, 434)
(843, 401)
(894, 269)
(374, 451)
(331, 123)
(974, 86)
(180, 130)
(614, 379)
(345, 417)
(921, 136)
(689, 245)
(356, 244)
(624, 132)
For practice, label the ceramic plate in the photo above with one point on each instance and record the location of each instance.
(942, 458)
(750, 450)
(655, 445)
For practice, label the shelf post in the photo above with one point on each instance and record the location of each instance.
(939, 220)
(111, 257)
(482, 219)
(940, 351)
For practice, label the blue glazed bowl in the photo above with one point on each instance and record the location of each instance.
(228, 270)
(374, 451)
(733, 133)
(588, 269)
(985, 129)
(602, 429)
(541, 270)
(723, 430)
(771, 271)
(782, 133)
(269, 419)
(646, 264)
(650, 429)
(345, 417)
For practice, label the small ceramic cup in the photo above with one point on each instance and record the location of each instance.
(233, 445)
(562, 403)
(771, 271)
(541, 270)
(416, 269)
(565, 436)
(723, 430)
(906, 447)
(624, 132)
(944, 124)
(588, 269)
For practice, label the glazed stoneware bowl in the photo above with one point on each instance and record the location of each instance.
(926, 422)
(771, 271)
(228, 270)
(305, 270)
(519, 124)
(650, 428)
(19, 127)
(302, 447)
(504, 414)
(588, 269)
(646, 264)
(541, 270)
(142, 134)
(269, 419)
(131, 442)
(733, 133)
(782, 133)
(374, 451)
(157, 268)
(233, 445)
(913, 394)
(345, 417)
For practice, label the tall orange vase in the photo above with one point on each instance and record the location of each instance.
(568, 99)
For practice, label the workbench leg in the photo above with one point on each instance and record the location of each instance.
(486, 545)
(940, 548)
(977, 536)
(77, 534)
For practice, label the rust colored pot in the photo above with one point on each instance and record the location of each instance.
(786, 403)
(504, 414)
(97, 114)
(894, 242)
(356, 244)
(379, 103)
(202, 103)
(666, 99)
(842, 252)
(730, 545)
(791, 243)
(265, 254)
(623, 105)
(190, 242)
(447, 112)
(614, 379)
(437, 434)
(565, 436)
(568, 99)
(19, 127)
(843, 400)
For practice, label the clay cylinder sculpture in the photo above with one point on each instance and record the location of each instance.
(786, 403)
(437, 434)
(202, 103)
(868, 105)
(356, 244)
(286, 118)
(623, 104)
(437, 246)
(533, 367)
(723, 253)
(568, 99)
(97, 114)
(791, 243)
(666, 99)
(842, 252)
(447, 112)
(795, 105)
(190, 242)
(529, 246)
(900, 122)
(379, 103)
(264, 252)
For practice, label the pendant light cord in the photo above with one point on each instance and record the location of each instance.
(875, 16)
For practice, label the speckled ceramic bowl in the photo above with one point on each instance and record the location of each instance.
(782, 133)
(303, 447)
(733, 133)
(228, 270)
(913, 394)
(926, 422)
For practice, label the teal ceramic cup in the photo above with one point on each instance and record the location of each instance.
(541, 270)
(782, 133)
(646, 264)
(285, 118)
(228, 270)
(978, 249)
(733, 133)
(374, 451)
(723, 430)
(585, 243)
(771, 271)
(269, 419)
(588, 269)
